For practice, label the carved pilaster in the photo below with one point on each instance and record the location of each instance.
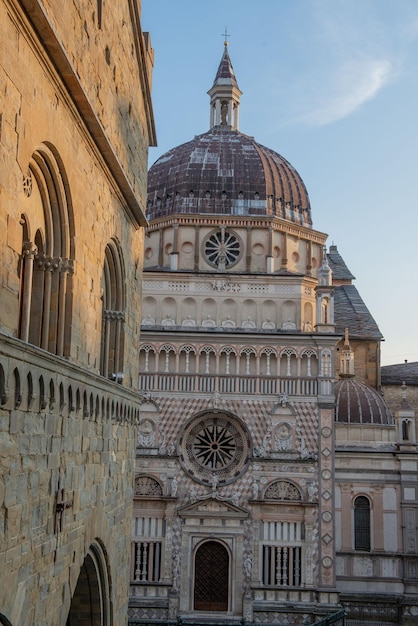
(326, 499)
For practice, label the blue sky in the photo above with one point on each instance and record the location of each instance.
(332, 85)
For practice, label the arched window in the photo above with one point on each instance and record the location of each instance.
(3, 394)
(362, 524)
(288, 362)
(113, 313)
(187, 359)
(405, 430)
(227, 361)
(147, 358)
(46, 265)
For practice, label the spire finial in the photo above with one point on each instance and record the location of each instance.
(224, 93)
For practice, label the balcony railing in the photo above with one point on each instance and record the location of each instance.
(34, 380)
(211, 383)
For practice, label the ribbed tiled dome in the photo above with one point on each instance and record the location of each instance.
(356, 403)
(225, 172)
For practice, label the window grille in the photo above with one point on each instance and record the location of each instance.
(282, 565)
(362, 524)
(147, 560)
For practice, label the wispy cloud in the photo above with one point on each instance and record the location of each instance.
(354, 53)
(354, 83)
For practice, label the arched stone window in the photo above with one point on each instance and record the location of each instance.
(3, 391)
(288, 362)
(207, 361)
(17, 388)
(30, 391)
(147, 358)
(309, 363)
(46, 264)
(362, 524)
(187, 358)
(326, 363)
(227, 361)
(248, 362)
(166, 358)
(268, 362)
(113, 314)
(406, 430)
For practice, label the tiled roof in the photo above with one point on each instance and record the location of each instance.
(357, 403)
(340, 270)
(401, 373)
(352, 313)
(225, 73)
(225, 172)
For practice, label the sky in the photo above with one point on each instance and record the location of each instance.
(331, 85)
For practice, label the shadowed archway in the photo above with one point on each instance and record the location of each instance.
(90, 604)
(4, 621)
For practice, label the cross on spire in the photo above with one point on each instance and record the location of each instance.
(225, 36)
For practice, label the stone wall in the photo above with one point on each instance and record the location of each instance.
(75, 125)
(64, 436)
(102, 150)
(393, 395)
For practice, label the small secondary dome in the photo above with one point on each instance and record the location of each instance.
(357, 403)
(225, 172)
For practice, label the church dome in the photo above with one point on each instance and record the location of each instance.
(357, 403)
(223, 171)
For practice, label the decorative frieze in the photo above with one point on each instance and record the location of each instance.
(221, 285)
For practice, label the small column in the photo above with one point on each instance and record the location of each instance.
(248, 255)
(161, 247)
(28, 255)
(284, 251)
(196, 247)
(48, 269)
(325, 298)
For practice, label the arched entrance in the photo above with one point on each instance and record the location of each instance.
(211, 577)
(90, 604)
(4, 621)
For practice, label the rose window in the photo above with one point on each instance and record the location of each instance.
(214, 446)
(222, 248)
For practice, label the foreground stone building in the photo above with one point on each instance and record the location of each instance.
(273, 484)
(75, 125)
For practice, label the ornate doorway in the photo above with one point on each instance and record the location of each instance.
(211, 579)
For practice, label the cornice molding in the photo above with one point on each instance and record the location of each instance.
(58, 61)
(235, 221)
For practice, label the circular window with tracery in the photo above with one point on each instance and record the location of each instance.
(214, 448)
(222, 248)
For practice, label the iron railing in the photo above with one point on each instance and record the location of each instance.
(337, 618)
